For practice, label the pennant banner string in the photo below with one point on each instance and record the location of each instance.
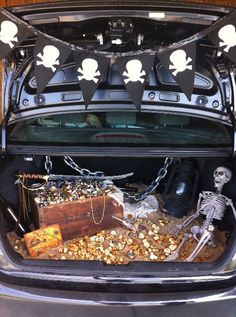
(178, 58)
(171, 47)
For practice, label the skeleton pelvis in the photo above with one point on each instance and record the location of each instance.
(197, 232)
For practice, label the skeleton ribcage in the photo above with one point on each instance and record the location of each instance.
(213, 206)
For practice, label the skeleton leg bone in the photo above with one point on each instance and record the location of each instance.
(206, 236)
(175, 254)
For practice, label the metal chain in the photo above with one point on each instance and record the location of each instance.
(48, 164)
(150, 188)
(137, 197)
(82, 171)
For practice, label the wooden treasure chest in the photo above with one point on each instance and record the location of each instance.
(78, 217)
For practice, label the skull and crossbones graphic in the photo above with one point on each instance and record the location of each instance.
(134, 71)
(89, 70)
(228, 36)
(8, 33)
(180, 62)
(49, 58)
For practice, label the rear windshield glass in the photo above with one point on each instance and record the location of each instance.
(121, 129)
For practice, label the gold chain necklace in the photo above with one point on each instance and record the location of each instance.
(103, 211)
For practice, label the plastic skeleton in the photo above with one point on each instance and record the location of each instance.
(134, 71)
(180, 62)
(213, 206)
(228, 36)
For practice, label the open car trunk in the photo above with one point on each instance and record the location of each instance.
(125, 224)
(151, 244)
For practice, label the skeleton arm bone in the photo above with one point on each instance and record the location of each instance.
(230, 203)
(190, 219)
(177, 228)
(197, 213)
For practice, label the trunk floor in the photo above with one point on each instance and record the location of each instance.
(151, 242)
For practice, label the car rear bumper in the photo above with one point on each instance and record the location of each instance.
(25, 301)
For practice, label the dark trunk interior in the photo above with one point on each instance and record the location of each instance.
(145, 170)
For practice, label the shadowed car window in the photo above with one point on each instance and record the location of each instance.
(120, 128)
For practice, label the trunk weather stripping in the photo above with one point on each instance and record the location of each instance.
(229, 97)
(4, 132)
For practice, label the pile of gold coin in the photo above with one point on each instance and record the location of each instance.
(120, 246)
(65, 191)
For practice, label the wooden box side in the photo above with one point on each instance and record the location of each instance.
(82, 217)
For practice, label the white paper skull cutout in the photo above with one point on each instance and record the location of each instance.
(8, 33)
(228, 36)
(222, 175)
(134, 71)
(89, 70)
(180, 62)
(49, 58)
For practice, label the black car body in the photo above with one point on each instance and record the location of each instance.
(91, 288)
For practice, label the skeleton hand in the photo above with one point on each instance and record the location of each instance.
(175, 254)
(174, 231)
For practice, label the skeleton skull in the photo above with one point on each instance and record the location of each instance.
(228, 36)
(8, 33)
(222, 175)
(49, 58)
